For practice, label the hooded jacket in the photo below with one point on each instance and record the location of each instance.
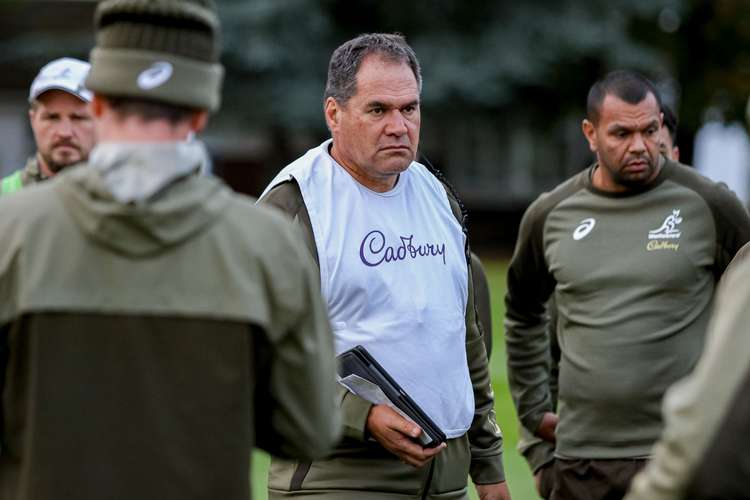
(147, 347)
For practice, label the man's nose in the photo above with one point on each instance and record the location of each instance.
(396, 124)
(64, 128)
(638, 144)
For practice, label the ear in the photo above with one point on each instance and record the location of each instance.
(332, 112)
(589, 131)
(198, 121)
(97, 106)
(676, 153)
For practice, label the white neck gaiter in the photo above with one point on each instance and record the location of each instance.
(136, 171)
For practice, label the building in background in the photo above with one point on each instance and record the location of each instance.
(722, 153)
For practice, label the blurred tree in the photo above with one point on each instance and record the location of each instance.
(483, 54)
(275, 52)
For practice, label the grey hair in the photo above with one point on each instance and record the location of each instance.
(347, 58)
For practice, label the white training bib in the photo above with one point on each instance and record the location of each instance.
(394, 274)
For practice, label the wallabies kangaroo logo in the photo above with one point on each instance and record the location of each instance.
(668, 228)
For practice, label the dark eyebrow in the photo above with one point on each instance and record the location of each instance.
(622, 128)
(378, 104)
(618, 128)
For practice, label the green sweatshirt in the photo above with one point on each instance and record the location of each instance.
(703, 452)
(147, 347)
(633, 276)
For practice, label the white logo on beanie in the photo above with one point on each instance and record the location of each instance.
(154, 76)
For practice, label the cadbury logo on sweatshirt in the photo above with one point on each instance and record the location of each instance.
(374, 251)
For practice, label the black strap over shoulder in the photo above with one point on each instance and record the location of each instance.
(457, 206)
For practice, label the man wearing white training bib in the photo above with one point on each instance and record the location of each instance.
(392, 253)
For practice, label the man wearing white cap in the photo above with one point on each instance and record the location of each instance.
(62, 125)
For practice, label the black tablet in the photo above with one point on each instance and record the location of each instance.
(358, 361)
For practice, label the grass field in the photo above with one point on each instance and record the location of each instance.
(516, 470)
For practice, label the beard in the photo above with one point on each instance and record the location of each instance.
(634, 180)
(57, 160)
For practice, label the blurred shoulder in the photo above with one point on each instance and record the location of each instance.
(32, 204)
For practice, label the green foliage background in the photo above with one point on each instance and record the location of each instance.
(517, 472)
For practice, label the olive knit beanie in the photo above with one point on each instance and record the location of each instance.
(161, 50)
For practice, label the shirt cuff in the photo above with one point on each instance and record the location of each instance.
(355, 411)
(487, 470)
(538, 454)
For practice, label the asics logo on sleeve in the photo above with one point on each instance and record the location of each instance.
(584, 228)
(155, 75)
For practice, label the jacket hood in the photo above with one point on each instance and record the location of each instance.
(178, 212)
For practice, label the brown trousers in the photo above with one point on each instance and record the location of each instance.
(583, 479)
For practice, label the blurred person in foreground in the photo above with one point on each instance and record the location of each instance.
(703, 451)
(394, 267)
(60, 120)
(631, 250)
(154, 326)
(540, 454)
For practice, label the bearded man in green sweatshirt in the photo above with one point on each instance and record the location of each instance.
(631, 250)
(538, 453)
(154, 326)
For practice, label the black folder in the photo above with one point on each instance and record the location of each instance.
(357, 361)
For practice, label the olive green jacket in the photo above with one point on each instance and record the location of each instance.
(145, 348)
(482, 301)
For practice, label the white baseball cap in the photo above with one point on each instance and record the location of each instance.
(66, 74)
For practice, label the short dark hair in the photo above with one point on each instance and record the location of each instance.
(670, 121)
(626, 85)
(149, 110)
(341, 83)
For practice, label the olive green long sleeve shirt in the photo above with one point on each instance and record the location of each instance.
(633, 276)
